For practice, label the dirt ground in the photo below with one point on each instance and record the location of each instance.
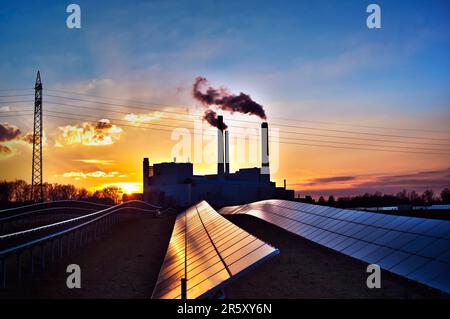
(304, 269)
(123, 263)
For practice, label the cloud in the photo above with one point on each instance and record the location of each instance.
(143, 118)
(28, 138)
(421, 180)
(388, 184)
(90, 134)
(8, 132)
(94, 174)
(95, 161)
(5, 149)
(5, 152)
(334, 179)
(327, 180)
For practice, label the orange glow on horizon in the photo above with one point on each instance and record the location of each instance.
(127, 187)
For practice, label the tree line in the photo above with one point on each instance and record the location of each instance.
(377, 199)
(18, 192)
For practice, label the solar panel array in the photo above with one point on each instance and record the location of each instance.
(415, 248)
(209, 251)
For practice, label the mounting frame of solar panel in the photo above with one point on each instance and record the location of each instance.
(209, 251)
(415, 248)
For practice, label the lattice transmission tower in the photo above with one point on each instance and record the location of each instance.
(37, 191)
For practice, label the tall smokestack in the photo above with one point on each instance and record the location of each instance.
(220, 126)
(227, 153)
(145, 174)
(265, 150)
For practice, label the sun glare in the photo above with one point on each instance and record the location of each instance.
(127, 188)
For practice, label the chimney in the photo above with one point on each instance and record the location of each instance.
(227, 153)
(145, 173)
(265, 150)
(220, 167)
(285, 184)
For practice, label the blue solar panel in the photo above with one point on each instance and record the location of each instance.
(416, 248)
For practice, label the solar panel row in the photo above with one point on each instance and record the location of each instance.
(416, 248)
(209, 251)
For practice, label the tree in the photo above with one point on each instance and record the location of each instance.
(82, 193)
(445, 196)
(309, 199)
(112, 192)
(331, 200)
(20, 191)
(5, 191)
(428, 196)
(321, 201)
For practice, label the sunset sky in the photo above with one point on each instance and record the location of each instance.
(356, 110)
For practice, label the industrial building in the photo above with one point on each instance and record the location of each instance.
(175, 183)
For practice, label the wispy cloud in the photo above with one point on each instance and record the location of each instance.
(95, 161)
(95, 174)
(334, 179)
(143, 118)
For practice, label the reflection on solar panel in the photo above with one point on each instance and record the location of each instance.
(209, 251)
(416, 248)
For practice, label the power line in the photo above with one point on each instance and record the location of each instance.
(296, 139)
(80, 117)
(10, 102)
(285, 138)
(16, 95)
(16, 115)
(284, 132)
(289, 132)
(10, 90)
(279, 118)
(365, 126)
(284, 125)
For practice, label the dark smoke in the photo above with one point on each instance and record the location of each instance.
(211, 117)
(224, 100)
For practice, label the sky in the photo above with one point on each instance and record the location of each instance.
(333, 90)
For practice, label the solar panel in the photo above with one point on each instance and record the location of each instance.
(209, 251)
(415, 248)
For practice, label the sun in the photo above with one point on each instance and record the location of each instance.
(127, 188)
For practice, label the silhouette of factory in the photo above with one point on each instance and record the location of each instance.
(175, 183)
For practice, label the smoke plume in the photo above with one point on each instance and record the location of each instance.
(225, 101)
(211, 117)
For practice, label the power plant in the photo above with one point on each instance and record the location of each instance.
(175, 183)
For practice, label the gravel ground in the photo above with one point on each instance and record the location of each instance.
(304, 269)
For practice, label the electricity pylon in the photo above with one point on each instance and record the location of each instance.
(37, 191)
